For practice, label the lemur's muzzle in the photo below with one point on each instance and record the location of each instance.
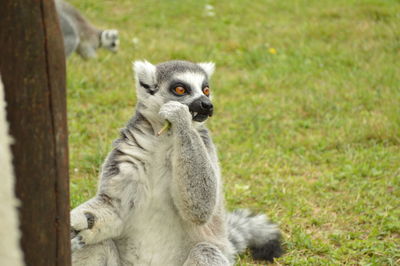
(201, 109)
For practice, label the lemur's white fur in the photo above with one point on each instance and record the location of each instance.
(160, 199)
(208, 67)
(80, 35)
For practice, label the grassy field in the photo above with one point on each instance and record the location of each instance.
(307, 122)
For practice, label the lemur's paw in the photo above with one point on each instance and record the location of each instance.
(84, 237)
(81, 220)
(77, 243)
(81, 225)
(176, 113)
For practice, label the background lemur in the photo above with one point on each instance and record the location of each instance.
(160, 199)
(81, 36)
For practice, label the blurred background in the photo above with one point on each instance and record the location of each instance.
(307, 113)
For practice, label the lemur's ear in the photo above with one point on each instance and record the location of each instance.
(145, 75)
(208, 67)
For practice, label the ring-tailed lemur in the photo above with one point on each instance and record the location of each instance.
(160, 199)
(81, 36)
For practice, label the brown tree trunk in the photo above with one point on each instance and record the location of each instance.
(32, 66)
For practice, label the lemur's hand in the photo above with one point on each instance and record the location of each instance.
(82, 223)
(176, 113)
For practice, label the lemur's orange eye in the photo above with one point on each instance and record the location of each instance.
(206, 91)
(180, 90)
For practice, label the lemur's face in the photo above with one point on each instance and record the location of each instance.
(181, 81)
(110, 40)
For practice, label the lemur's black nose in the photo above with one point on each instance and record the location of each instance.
(206, 106)
(201, 108)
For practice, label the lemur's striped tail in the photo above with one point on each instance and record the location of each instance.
(255, 232)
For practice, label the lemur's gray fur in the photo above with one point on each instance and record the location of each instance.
(81, 36)
(160, 199)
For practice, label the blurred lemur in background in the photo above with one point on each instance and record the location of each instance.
(81, 36)
(160, 199)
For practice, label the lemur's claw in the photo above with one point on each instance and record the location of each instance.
(73, 233)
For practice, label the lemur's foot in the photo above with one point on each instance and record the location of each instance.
(81, 225)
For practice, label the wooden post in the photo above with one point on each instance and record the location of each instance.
(32, 66)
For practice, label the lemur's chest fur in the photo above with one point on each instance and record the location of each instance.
(153, 233)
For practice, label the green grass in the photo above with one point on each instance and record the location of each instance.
(309, 135)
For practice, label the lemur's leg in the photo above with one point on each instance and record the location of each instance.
(103, 216)
(195, 179)
(206, 254)
(101, 254)
(86, 50)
